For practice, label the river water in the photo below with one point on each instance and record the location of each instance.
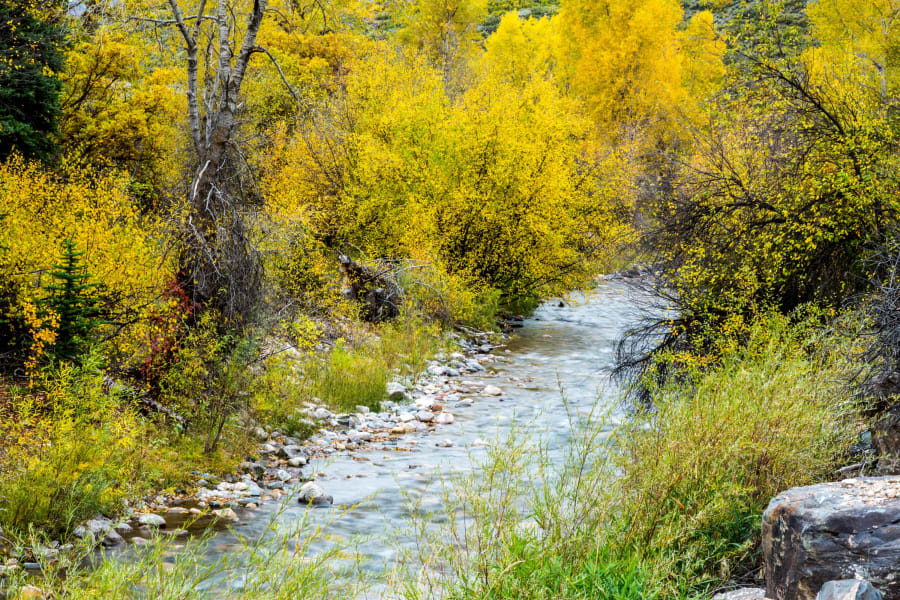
(566, 349)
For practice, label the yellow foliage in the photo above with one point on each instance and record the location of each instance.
(868, 31)
(521, 49)
(121, 106)
(123, 249)
(494, 188)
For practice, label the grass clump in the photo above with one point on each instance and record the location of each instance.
(667, 503)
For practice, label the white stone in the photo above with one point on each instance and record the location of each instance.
(152, 520)
(444, 419)
(491, 390)
(225, 514)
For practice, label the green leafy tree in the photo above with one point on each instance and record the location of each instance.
(73, 299)
(31, 40)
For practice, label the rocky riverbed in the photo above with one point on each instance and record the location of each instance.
(366, 467)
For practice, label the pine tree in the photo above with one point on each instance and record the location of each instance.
(31, 55)
(72, 298)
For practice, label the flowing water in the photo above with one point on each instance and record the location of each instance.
(563, 350)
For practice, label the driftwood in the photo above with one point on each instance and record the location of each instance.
(376, 291)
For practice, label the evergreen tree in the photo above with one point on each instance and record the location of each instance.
(73, 300)
(31, 54)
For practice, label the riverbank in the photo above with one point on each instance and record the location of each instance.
(553, 490)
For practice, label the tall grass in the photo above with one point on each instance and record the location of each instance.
(668, 503)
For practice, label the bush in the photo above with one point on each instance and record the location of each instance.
(669, 503)
(70, 451)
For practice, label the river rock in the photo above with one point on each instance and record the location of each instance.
(282, 475)
(256, 468)
(260, 434)
(437, 370)
(31, 592)
(742, 594)
(396, 392)
(474, 366)
(297, 461)
(848, 589)
(491, 390)
(93, 528)
(291, 451)
(832, 531)
(152, 520)
(322, 413)
(312, 493)
(444, 419)
(405, 417)
(138, 541)
(112, 538)
(225, 515)
(359, 436)
(124, 529)
(426, 402)
(425, 416)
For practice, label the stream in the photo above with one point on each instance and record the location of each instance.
(563, 349)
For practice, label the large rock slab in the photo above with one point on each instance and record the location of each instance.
(848, 589)
(844, 530)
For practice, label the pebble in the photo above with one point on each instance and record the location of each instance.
(491, 390)
(425, 416)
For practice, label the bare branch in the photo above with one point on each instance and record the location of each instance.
(284, 80)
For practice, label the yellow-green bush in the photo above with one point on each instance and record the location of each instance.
(70, 451)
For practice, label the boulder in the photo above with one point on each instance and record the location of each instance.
(848, 589)
(312, 493)
(832, 531)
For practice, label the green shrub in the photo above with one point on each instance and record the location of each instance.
(69, 452)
